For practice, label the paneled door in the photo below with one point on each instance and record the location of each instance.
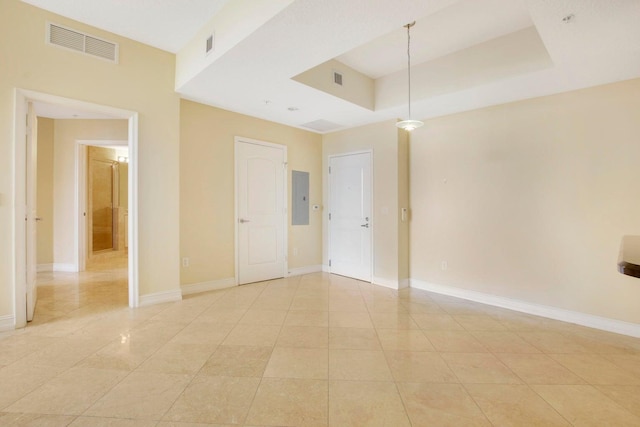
(261, 210)
(350, 221)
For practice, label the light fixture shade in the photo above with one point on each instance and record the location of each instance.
(409, 125)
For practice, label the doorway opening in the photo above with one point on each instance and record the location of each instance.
(25, 246)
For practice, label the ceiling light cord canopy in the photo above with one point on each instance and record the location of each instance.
(409, 124)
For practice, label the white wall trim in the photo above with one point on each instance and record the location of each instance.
(387, 283)
(160, 297)
(404, 283)
(305, 270)
(44, 268)
(65, 267)
(326, 268)
(213, 285)
(584, 319)
(7, 323)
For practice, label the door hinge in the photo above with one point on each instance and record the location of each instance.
(284, 165)
(329, 170)
(329, 216)
(329, 263)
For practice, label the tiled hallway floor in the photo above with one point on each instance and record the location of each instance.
(312, 350)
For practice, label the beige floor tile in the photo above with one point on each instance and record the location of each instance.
(272, 302)
(388, 306)
(253, 335)
(539, 369)
(289, 402)
(595, 369)
(70, 393)
(237, 361)
(203, 333)
(179, 424)
(366, 403)
(363, 365)
(263, 317)
(419, 367)
(221, 400)
(503, 342)
(345, 319)
(177, 358)
(479, 323)
(354, 338)
(442, 405)
(303, 336)
(552, 342)
(141, 395)
(35, 420)
(65, 352)
(454, 342)
(627, 396)
(309, 303)
(480, 368)
(630, 362)
(423, 307)
(311, 363)
(584, 405)
(436, 322)
(111, 422)
(393, 320)
(347, 304)
(307, 318)
(19, 379)
(16, 347)
(222, 314)
(404, 339)
(514, 405)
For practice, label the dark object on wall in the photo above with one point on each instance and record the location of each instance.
(300, 198)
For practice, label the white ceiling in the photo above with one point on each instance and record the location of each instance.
(466, 54)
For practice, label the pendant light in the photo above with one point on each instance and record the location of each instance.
(409, 124)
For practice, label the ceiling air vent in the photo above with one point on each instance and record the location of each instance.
(80, 42)
(209, 47)
(337, 78)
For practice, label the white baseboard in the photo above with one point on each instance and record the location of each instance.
(589, 320)
(387, 283)
(66, 268)
(304, 270)
(404, 283)
(326, 268)
(196, 288)
(7, 323)
(44, 268)
(160, 297)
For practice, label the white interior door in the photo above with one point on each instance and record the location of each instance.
(261, 211)
(350, 215)
(31, 210)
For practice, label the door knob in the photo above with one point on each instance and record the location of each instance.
(365, 225)
(38, 218)
(242, 220)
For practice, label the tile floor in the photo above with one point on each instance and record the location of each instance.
(313, 350)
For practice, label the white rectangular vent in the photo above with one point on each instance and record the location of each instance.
(337, 78)
(209, 47)
(321, 126)
(80, 42)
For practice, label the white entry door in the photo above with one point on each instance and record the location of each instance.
(31, 211)
(350, 215)
(261, 210)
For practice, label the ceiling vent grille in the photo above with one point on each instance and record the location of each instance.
(337, 78)
(80, 42)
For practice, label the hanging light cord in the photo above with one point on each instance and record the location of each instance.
(409, 62)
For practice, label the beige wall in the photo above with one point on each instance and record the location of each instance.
(207, 189)
(382, 138)
(45, 191)
(67, 133)
(529, 200)
(143, 81)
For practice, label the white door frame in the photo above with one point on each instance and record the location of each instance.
(238, 140)
(371, 221)
(81, 250)
(21, 97)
